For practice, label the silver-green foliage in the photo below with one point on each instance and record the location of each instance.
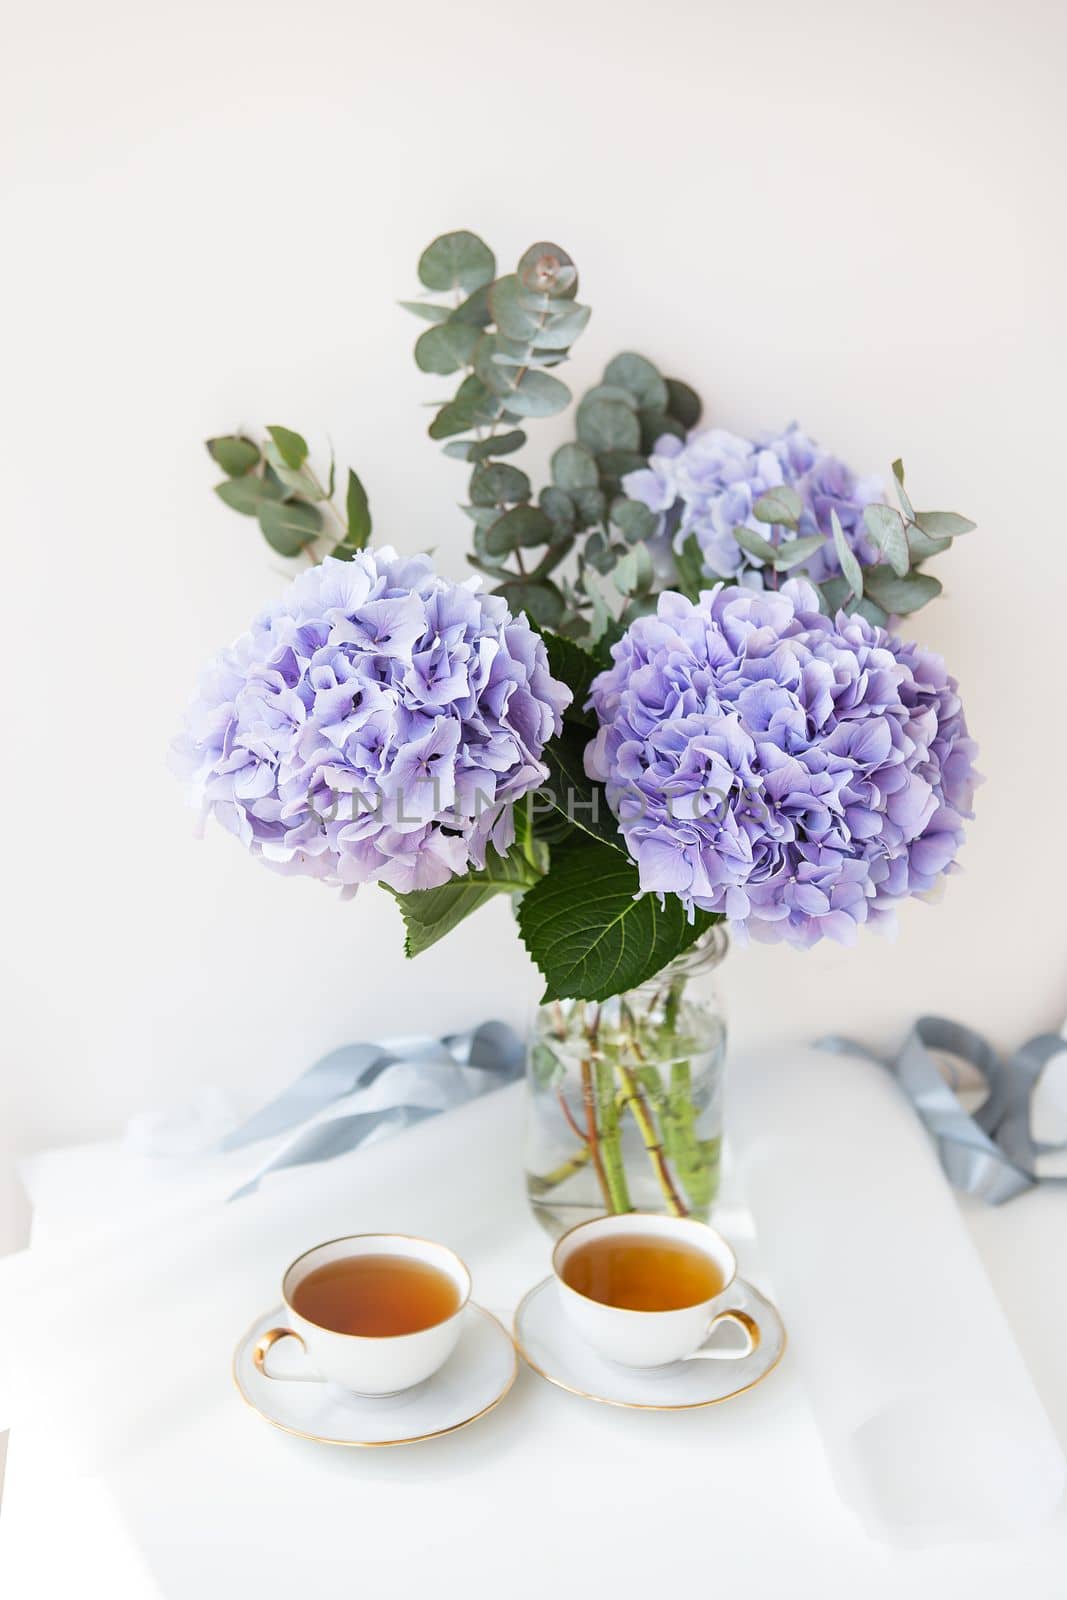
(505, 337)
(273, 480)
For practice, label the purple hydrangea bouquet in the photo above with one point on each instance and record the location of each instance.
(672, 703)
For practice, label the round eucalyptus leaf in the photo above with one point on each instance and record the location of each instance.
(558, 507)
(288, 525)
(235, 454)
(634, 521)
(607, 425)
(538, 394)
(539, 598)
(561, 330)
(521, 527)
(636, 373)
(498, 485)
(591, 503)
(446, 348)
(615, 465)
(546, 269)
(497, 378)
(473, 404)
(475, 309)
(683, 403)
(510, 309)
(656, 425)
(574, 467)
(457, 261)
(610, 391)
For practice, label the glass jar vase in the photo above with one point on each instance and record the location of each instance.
(625, 1097)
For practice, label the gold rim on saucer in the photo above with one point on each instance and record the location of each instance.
(381, 1444)
(636, 1405)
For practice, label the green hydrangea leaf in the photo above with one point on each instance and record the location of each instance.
(576, 667)
(430, 914)
(590, 930)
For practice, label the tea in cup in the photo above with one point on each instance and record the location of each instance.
(646, 1290)
(375, 1313)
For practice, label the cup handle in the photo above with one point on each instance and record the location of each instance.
(266, 1343)
(740, 1319)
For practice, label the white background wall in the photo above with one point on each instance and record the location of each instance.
(847, 213)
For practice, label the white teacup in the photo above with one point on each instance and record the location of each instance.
(655, 1338)
(369, 1364)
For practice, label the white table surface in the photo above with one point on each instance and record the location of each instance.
(548, 1495)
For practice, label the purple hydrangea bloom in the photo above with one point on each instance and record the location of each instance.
(377, 723)
(798, 773)
(708, 485)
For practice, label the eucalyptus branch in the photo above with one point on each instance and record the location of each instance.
(273, 480)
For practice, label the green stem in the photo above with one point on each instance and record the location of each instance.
(552, 1180)
(592, 1135)
(610, 1139)
(643, 1117)
(679, 1114)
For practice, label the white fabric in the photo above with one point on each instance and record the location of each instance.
(930, 1420)
(119, 1337)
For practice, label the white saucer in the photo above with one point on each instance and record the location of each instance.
(474, 1379)
(552, 1347)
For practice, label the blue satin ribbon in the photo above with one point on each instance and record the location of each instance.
(990, 1152)
(440, 1074)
